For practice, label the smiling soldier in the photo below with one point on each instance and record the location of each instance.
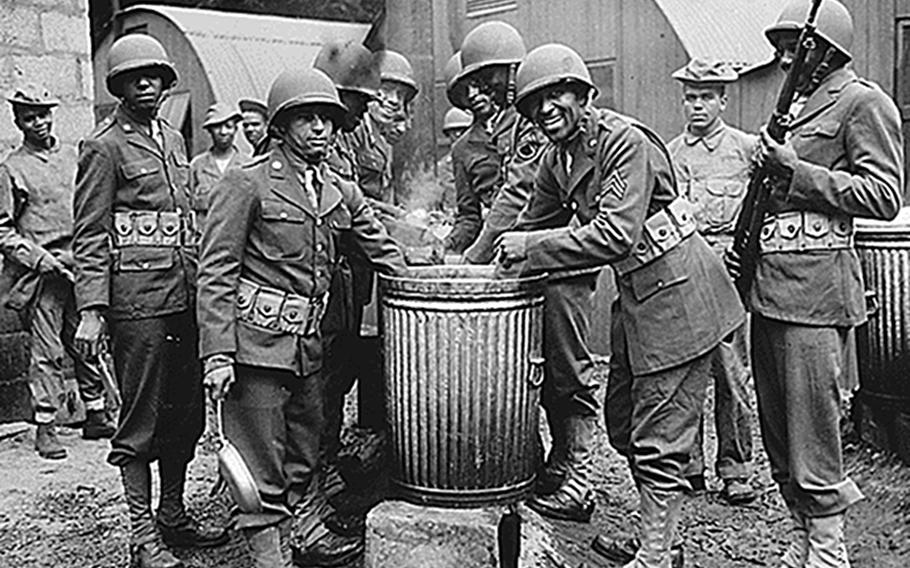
(606, 194)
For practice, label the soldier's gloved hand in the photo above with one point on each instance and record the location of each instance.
(733, 263)
(219, 375)
(510, 248)
(89, 336)
(779, 158)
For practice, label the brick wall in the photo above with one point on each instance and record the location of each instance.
(45, 41)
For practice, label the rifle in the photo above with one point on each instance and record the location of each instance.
(761, 182)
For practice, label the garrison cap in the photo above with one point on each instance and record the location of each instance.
(219, 113)
(253, 105)
(32, 94)
(701, 71)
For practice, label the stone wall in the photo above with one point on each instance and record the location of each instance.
(47, 41)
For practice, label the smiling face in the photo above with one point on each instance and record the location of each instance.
(35, 123)
(308, 131)
(142, 90)
(485, 90)
(253, 126)
(558, 110)
(703, 106)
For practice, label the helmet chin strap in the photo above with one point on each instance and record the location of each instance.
(821, 70)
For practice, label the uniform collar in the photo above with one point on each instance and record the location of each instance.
(288, 187)
(826, 94)
(711, 140)
(135, 131)
(43, 154)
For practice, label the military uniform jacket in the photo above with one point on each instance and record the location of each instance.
(478, 158)
(204, 175)
(674, 308)
(713, 173)
(263, 228)
(373, 158)
(36, 216)
(848, 139)
(121, 169)
(526, 148)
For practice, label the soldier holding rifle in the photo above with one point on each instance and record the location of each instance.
(842, 158)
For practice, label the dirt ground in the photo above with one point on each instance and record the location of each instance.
(71, 513)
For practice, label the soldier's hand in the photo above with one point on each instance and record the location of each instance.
(89, 334)
(733, 263)
(511, 247)
(218, 380)
(779, 158)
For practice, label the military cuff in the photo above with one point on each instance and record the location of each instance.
(217, 361)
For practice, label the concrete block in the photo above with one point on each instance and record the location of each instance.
(74, 121)
(19, 27)
(403, 535)
(57, 72)
(65, 33)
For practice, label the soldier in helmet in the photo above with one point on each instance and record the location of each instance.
(135, 275)
(355, 72)
(504, 165)
(36, 231)
(842, 159)
(267, 256)
(713, 162)
(605, 194)
(208, 167)
(455, 123)
(386, 121)
(489, 55)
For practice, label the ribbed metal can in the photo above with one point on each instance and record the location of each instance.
(463, 369)
(884, 251)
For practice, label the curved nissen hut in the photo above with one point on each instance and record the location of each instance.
(220, 56)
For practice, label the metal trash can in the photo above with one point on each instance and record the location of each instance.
(884, 251)
(462, 369)
(882, 414)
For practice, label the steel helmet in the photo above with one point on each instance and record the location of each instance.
(490, 43)
(138, 51)
(394, 66)
(457, 118)
(351, 65)
(300, 87)
(549, 65)
(834, 23)
(32, 94)
(454, 89)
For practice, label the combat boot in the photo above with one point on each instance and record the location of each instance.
(98, 425)
(176, 527)
(153, 554)
(330, 550)
(553, 474)
(267, 547)
(47, 444)
(798, 552)
(146, 550)
(827, 548)
(574, 500)
(624, 550)
(660, 512)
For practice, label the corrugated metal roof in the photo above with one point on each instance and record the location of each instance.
(725, 30)
(243, 53)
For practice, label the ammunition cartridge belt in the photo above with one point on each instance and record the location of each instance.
(154, 229)
(662, 232)
(805, 230)
(279, 310)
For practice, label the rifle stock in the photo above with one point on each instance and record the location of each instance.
(756, 201)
